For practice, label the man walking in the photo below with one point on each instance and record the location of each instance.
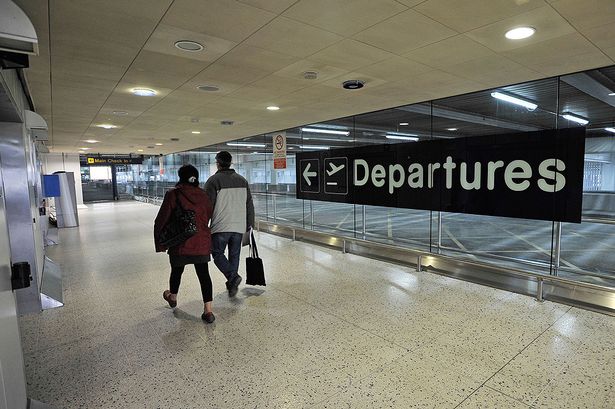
(233, 215)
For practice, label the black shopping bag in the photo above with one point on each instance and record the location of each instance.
(255, 273)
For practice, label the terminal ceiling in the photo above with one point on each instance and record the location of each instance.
(93, 53)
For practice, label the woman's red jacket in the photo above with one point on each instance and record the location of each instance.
(191, 198)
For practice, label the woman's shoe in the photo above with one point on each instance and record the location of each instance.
(208, 317)
(166, 295)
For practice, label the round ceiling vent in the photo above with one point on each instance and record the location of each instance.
(310, 75)
(190, 46)
(353, 84)
(208, 88)
(227, 122)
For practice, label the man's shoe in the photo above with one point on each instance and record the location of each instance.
(233, 286)
(208, 317)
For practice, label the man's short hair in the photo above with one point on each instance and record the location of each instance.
(224, 159)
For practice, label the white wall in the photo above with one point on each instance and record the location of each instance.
(68, 162)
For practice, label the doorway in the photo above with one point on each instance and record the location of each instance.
(97, 183)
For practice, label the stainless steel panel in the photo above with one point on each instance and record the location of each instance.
(19, 204)
(12, 374)
(66, 204)
(584, 295)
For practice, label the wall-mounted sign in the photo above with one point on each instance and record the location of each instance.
(103, 160)
(279, 150)
(533, 175)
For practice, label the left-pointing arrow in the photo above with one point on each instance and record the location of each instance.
(307, 174)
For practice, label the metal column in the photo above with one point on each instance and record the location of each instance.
(557, 248)
(439, 249)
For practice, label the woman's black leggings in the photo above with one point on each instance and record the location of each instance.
(202, 272)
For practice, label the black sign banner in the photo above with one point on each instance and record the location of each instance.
(103, 160)
(530, 175)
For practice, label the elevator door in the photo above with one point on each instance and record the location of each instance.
(97, 183)
(12, 375)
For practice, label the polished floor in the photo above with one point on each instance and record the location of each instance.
(330, 330)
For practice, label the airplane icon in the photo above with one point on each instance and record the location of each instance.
(334, 169)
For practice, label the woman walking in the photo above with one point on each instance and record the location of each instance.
(197, 248)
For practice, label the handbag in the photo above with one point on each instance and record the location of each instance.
(180, 227)
(255, 273)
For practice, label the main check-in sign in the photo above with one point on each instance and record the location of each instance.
(533, 175)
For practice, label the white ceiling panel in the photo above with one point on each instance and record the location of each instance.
(405, 32)
(586, 14)
(548, 23)
(291, 37)
(350, 55)
(275, 6)
(471, 14)
(453, 50)
(230, 20)
(344, 17)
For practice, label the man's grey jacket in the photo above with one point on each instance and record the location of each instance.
(230, 195)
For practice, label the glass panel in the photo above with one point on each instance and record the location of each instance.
(96, 183)
(481, 113)
(587, 249)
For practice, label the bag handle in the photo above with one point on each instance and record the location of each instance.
(253, 248)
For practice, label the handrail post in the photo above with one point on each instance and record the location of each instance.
(539, 290)
(364, 223)
(275, 209)
(419, 263)
(311, 215)
(558, 248)
(439, 249)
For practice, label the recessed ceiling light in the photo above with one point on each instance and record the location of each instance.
(273, 108)
(158, 144)
(84, 149)
(451, 129)
(611, 94)
(208, 88)
(106, 126)
(139, 150)
(91, 141)
(520, 33)
(610, 130)
(404, 123)
(196, 132)
(144, 92)
(190, 46)
(120, 113)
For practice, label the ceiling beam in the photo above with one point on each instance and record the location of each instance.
(585, 83)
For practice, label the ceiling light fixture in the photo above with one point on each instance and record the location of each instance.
(139, 150)
(514, 100)
(144, 92)
(404, 123)
(611, 94)
(91, 141)
(120, 113)
(610, 129)
(520, 33)
(106, 126)
(402, 138)
(190, 46)
(246, 144)
(196, 132)
(451, 129)
(273, 108)
(158, 144)
(575, 118)
(310, 75)
(325, 131)
(318, 147)
(353, 84)
(208, 88)
(85, 149)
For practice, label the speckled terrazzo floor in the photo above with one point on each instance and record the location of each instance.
(330, 330)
